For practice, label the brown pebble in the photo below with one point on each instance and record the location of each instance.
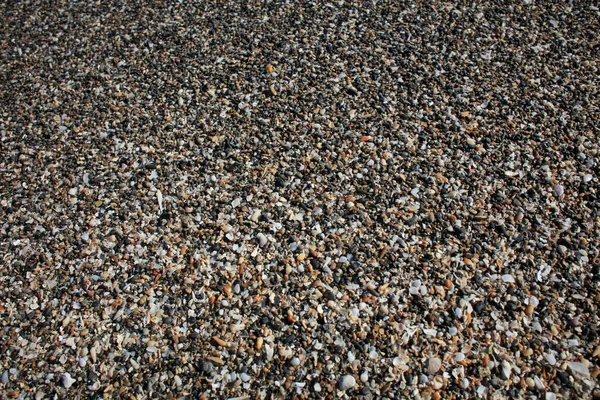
(220, 341)
(529, 310)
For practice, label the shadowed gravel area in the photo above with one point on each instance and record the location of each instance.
(279, 200)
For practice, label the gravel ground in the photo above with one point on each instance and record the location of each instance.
(267, 200)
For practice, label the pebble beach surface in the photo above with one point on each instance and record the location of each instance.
(269, 199)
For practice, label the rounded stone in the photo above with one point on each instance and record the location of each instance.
(347, 382)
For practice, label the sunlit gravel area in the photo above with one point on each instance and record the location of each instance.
(293, 200)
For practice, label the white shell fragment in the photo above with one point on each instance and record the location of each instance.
(433, 365)
(159, 197)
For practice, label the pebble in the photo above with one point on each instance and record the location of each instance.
(262, 239)
(347, 382)
(559, 190)
(245, 377)
(67, 380)
(579, 369)
(506, 369)
(364, 377)
(551, 359)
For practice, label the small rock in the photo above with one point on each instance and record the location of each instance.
(506, 369)
(530, 382)
(5, 377)
(579, 369)
(438, 382)
(562, 249)
(364, 377)
(245, 377)
(67, 380)
(347, 382)
(205, 366)
(295, 361)
(529, 309)
(559, 190)
(262, 239)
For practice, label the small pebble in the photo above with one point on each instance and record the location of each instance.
(579, 369)
(67, 380)
(347, 382)
(559, 190)
(262, 239)
(364, 377)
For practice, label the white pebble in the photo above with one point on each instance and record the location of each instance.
(262, 239)
(364, 377)
(459, 357)
(67, 380)
(317, 387)
(245, 377)
(587, 178)
(508, 278)
(551, 359)
(347, 382)
(351, 357)
(506, 369)
(295, 361)
(580, 369)
(559, 190)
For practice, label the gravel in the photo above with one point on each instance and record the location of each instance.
(298, 200)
